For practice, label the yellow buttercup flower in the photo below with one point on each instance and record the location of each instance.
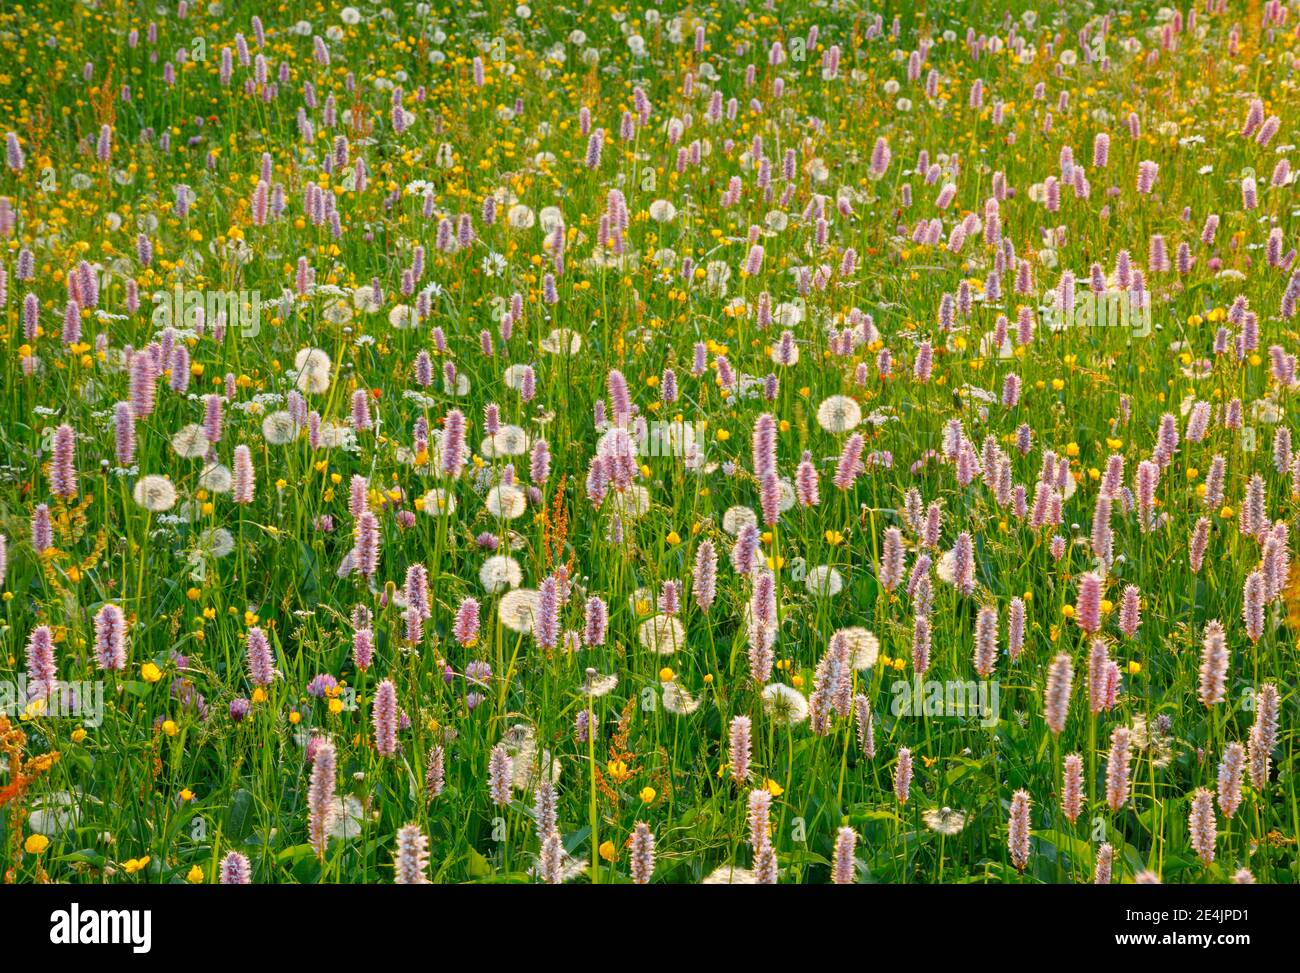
(133, 865)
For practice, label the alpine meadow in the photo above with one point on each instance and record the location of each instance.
(834, 441)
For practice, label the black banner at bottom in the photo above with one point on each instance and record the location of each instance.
(144, 922)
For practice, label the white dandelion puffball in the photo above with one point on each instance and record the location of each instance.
(500, 572)
(599, 684)
(530, 769)
(514, 376)
(737, 519)
(279, 429)
(784, 704)
(337, 312)
(508, 441)
(662, 634)
(506, 502)
(337, 435)
(365, 299)
(678, 701)
(215, 479)
(787, 315)
(190, 442)
(520, 217)
(662, 211)
(313, 368)
(838, 414)
(215, 541)
(562, 341)
(632, 503)
(439, 503)
(730, 875)
(155, 493)
(518, 609)
(402, 316)
(864, 647)
(946, 568)
(786, 497)
(824, 581)
(345, 818)
(550, 217)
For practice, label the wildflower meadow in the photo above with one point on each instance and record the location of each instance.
(705, 443)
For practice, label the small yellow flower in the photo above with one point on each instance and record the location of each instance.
(1134, 668)
(295, 717)
(608, 851)
(187, 795)
(78, 734)
(647, 794)
(666, 674)
(773, 788)
(133, 865)
(1067, 611)
(336, 706)
(673, 538)
(195, 876)
(150, 672)
(170, 728)
(35, 844)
